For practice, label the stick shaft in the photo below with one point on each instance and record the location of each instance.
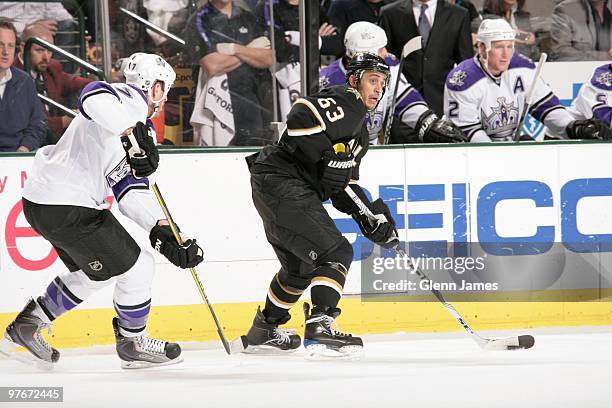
(529, 100)
(368, 213)
(177, 236)
(412, 45)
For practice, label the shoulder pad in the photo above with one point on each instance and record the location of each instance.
(464, 75)
(92, 89)
(332, 75)
(391, 60)
(602, 77)
(520, 61)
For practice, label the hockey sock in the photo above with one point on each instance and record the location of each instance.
(327, 284)
(284, 292)
(132, 296)
(133, 318)
(66, 292)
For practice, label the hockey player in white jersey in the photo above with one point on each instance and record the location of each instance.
(65, 200)
(485, 95)
(595, 97)
(411, 108)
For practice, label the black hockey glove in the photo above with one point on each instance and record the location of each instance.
(186, 256)
(382, 233)
(145, 163)
(588, 129)
(433, 129)
(336, 169)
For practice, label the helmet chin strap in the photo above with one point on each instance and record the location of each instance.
(156, 104)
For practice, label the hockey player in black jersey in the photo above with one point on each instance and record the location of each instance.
(316, 158)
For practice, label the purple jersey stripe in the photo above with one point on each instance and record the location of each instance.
(603, 113)
(127, 183)
(409, 98)
(544, 106)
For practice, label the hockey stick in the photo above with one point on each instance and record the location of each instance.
(233, 347)
(506, 343)
(229, 348)
(529, 101)
(411, 46)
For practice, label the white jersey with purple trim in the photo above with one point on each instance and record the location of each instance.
(488, 108)
(410, 104)
(89, 163)
(595, 96)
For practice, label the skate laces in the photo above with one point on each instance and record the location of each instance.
(151, 345)
(281, 336)
(40, 339)
(330, 324)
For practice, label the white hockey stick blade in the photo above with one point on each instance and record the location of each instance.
(522, 342)
(238, 345)
(413, 45)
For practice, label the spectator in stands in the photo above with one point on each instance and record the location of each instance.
(49, 77)
(51, 14)
(234, 56)
(22, 120)
(475, 16)
(445, 29)
(287, 30)
(514, 12)
(170, 15)
(581, 30)
(343, 13)
(287, 45)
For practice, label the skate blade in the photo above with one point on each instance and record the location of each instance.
(238, 345)
(267, 350)
(9, 349)
(135, 365)
(318, 352)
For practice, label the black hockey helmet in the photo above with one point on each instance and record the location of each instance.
(366, 61)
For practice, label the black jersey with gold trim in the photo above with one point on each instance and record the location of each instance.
(332, 119)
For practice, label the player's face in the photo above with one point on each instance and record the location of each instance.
(371, 87)
(157, 94)
(499, 56)
(7, 48)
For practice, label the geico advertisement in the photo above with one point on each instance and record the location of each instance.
(514, 200)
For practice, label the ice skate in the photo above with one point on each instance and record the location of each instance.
(322, 338)
(265, 337)
(143, 351)
(25, 331)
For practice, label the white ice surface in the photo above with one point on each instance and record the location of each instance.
(566, 368)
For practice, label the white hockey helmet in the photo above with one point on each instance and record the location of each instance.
(496, 29)
(364, 37)
(144, 70)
